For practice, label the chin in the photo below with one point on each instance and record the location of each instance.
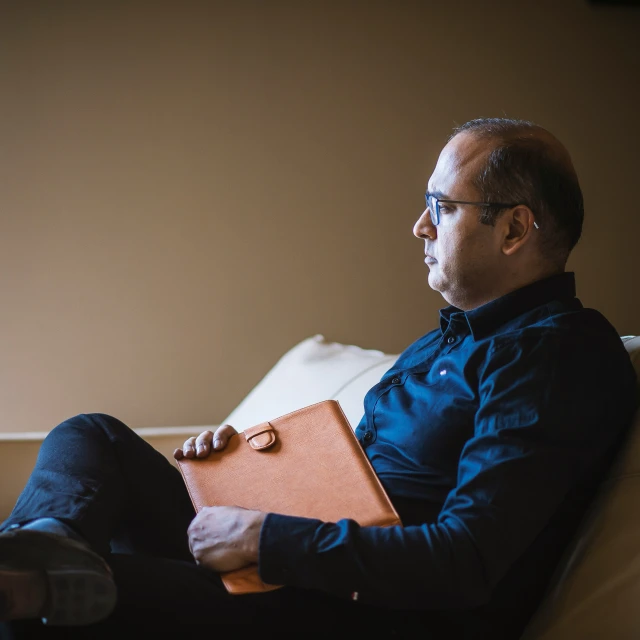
(438, 285)
(434, 283)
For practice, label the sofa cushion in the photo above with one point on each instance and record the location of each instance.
(312, 371)
(596, 590)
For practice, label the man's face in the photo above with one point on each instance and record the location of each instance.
(464, 256)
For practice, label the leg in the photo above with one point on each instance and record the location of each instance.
(160, 597)
(99, 476)
(113, 489)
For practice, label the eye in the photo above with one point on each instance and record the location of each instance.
(446, 208)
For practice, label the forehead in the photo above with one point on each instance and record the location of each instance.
(459, 163)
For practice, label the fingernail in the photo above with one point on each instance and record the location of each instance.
(200, 448)
(217, 444)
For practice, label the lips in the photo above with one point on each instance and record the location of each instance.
(429, 259)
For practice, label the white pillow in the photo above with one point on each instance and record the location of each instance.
(312, 371)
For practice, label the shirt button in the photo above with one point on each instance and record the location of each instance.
(368, 436)
(451, 339)
(395, 380)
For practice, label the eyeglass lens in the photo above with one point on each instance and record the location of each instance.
(432, 205)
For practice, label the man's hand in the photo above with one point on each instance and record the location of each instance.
(221, 538)
(225, 538)
(201, 446)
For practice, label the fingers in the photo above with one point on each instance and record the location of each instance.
(201, 446)
(187, 451)
(222, 435)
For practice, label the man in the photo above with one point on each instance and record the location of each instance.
(490, 434)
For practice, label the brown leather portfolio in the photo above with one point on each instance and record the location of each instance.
(306, 463)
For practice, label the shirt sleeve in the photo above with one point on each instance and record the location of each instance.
(541, 428)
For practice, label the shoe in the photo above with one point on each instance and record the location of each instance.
(62, 581)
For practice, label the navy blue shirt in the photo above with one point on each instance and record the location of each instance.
(490, 434)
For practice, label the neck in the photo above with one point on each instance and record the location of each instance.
(507, 285)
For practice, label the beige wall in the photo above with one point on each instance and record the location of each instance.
(187, 189)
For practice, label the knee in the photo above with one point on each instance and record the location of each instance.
(101, 421)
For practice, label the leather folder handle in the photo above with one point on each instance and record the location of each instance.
(260, 437)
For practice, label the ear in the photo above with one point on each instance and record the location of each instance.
(518, 227)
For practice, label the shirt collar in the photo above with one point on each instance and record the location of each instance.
(490, 316)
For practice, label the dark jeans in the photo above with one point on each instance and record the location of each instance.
(129, 502)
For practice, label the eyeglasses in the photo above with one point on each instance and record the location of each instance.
(433, 205)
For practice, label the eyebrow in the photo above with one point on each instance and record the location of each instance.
(437, 194)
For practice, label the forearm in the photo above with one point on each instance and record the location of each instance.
(411, 567)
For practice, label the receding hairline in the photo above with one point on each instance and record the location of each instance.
(508, 132)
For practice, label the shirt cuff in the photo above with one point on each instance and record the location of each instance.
(283, 554)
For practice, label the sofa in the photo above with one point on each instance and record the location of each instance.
(595, 593)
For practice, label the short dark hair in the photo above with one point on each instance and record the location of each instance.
(523, 167)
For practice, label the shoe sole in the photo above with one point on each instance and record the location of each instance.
(74, 587)
(78, 597)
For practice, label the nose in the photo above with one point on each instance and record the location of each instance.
(424, 227)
